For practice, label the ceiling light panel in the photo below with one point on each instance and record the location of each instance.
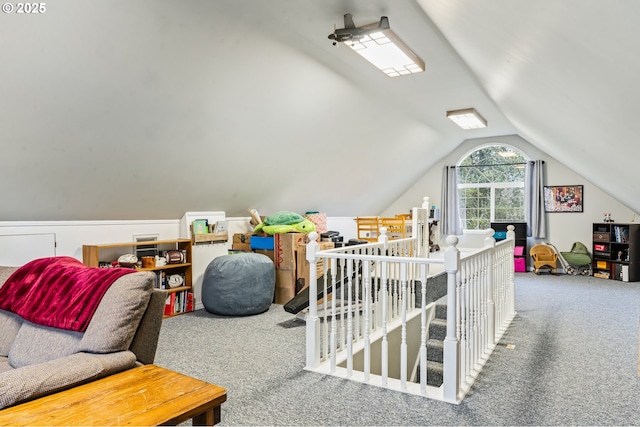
(467, 118)
(388, 53)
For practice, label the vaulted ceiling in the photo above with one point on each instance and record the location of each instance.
(142, 110)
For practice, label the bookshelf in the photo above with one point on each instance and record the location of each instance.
(616, 252)
(179, 298)
(521, 255)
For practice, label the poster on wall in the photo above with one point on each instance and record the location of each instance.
(563, 198)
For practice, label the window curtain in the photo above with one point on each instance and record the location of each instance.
(450, 218)
(534, 200)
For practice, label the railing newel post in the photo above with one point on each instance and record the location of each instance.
(490, 242)
(451, 377)
(384, 239)
(313, 322)
(511, 235)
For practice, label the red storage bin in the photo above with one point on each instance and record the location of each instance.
(519, 265)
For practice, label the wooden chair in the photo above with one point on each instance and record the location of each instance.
(396, 227)
(368, 228)
(544, 256)
(406, 216)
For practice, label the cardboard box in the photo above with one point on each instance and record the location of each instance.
(285, 286)
(302, 265)
(289, 257)
(267, 252)
(285, 247)
(262, 242)
(246, 247)
(243, 238)
(283, 295)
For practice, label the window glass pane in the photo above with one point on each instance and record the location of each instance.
(510, 204)
(497, 168)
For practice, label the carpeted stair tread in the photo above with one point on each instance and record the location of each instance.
(438, 329)
(435, 373)
(441, 311)
(435, 350)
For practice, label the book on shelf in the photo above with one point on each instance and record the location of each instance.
(178, 302)
(189, 301)
(619, 271)
(221, 227)
(200, 226)
(161, 280)
(169, 304)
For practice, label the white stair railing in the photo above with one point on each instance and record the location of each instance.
(376, 290)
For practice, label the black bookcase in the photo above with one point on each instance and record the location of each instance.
(500, 229)
(615, 250)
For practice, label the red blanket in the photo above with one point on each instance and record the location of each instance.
(60, 292)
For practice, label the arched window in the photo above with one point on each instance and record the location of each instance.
(491, 186)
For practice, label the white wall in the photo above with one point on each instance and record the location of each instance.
(23, 241)
(562, 228)
(69, 236)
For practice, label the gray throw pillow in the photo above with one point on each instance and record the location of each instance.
(116, 320)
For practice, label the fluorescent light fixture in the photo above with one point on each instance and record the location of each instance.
(388, 53)
(467, 118)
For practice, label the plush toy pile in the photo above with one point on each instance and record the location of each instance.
(285, 222)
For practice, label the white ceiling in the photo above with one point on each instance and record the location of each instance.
(141, 110)
(565, 74)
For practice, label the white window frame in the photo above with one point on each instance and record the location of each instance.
(491, 185)
(492, 193)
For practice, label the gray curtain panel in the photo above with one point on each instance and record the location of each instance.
(450, 216)
(534, 200)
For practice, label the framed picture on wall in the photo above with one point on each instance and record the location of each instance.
(563, 198)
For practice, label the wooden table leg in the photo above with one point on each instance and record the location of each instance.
(208, 418)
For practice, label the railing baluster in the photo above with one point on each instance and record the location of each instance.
(367, 319)
(325, 322)
(464, 316)
(350, 318)
(491, 277)
(341, 341)
(385, 341)
(423, 328)
(313, 323)
(381, 292)
(334, 347)
(403, 339)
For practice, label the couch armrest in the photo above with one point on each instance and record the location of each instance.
(145, 342)
(33, 381)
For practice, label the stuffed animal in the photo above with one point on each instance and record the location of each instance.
(285, 222)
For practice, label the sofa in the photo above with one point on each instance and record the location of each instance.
(37, 360)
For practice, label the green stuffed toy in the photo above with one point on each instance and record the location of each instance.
(285, 222)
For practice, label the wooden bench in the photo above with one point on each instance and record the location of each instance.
(147, 395)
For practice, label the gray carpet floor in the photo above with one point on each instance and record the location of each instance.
(575, 362)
